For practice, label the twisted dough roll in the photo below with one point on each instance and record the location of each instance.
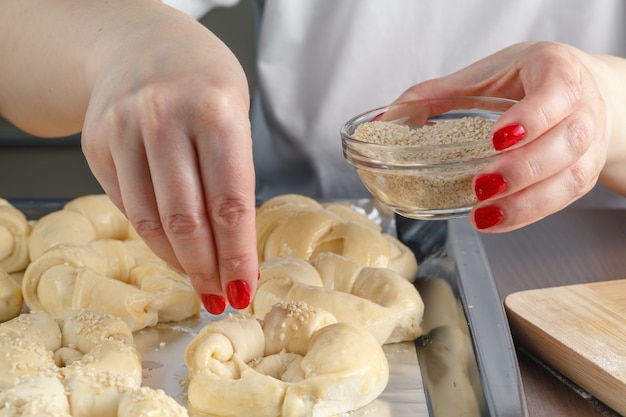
(27, 343)
(82, 220)
(110, 276)
(295, 225)
(378, 299)
(14, 231)
(11, 299)
(86, 366)
(35, 396)
(88, 256)
(297, 362)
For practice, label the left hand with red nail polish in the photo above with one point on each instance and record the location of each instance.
(566, 133)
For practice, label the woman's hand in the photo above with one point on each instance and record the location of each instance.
(167, 135)
(565, 133)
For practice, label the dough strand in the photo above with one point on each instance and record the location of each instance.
(11, 300)
(86, 365)
(298, 361)
(379, 300)
(14, 232)
(294, 225)
(88, 256)
(103, 276)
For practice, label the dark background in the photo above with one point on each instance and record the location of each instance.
(55, 168)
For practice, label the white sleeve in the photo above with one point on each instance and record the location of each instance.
(198, 8)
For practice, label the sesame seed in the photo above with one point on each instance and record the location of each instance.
(438, 187)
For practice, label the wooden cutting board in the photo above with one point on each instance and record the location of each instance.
(579, 330)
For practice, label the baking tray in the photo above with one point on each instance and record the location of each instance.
(451, 252)
(464, 365)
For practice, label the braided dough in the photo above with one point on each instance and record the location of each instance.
(82, 220)
(377, 299)
(14, 231)
(297, 361)
(110, 276)
(88, 256)
(10, 297)
(295, 225)
(84, 366)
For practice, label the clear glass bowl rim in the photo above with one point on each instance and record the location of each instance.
(361, 160)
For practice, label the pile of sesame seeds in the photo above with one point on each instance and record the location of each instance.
(298, 309)
(430, 167)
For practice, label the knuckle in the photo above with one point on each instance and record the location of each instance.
(223, 111)
(531, 208)
(531, 169)
(156, 109)
(520, 210)
(571, 85)
(205, 282)
(148, 228)
(204, 277)
(181, 224)
(558, 58)
(231, 211)
(580, 180)
(233, 265)
(578, 134)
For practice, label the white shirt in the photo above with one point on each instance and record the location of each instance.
(321, 62)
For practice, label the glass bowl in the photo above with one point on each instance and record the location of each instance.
(419, 157)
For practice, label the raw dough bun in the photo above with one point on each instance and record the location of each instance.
(10, 297)
(378, 299)
(14, 232)
(298, 361)
(85, 366)
(35, 395)
(111, 276)
(295, 225)
(147, 402)
(98, 362)
(81, 220)
(27, 343)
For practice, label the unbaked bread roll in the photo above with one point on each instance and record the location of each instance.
(147, 402)
(35, 395)
(81, 220)
(88, 256)
(108, 221)
(107, 276)
(85, 366)
(10, 297)
(297, 361)
(14, 232)
(295, 225)
(378, 299)
(27, 343)
(104, 365)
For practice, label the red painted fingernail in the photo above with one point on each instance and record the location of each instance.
(488, 185)
(486, 217)
(214, 304)
(238, 294)
(508, 136)
(258, 278)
